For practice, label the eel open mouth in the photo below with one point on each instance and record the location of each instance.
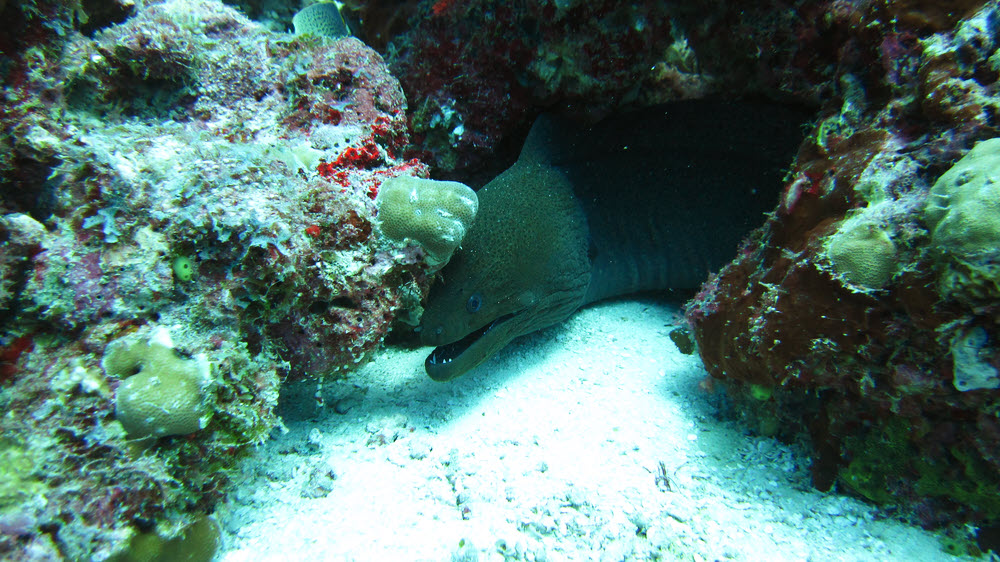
(438, 364)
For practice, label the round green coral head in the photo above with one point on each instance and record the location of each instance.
(761, 393)
(862, 254)
(963, 216)
(963, 208)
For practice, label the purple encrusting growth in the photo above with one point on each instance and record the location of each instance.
(164, 172)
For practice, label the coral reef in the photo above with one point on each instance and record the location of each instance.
(477, 72)
(172, 167)
(866, 305)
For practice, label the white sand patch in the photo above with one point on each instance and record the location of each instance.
(587, 441)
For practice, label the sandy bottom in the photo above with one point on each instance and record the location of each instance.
(588, 441)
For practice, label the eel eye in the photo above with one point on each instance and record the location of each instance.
(474, 303)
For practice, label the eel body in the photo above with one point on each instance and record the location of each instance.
(655, 199)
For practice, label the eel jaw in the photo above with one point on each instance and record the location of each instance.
(453, 359)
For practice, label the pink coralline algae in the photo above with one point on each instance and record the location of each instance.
(339, 88)
(180, 174)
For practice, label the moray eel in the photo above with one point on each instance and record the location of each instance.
(655, 199)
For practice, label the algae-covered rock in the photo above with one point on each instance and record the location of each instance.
(19, 471)
(198, 542)
(972, 358)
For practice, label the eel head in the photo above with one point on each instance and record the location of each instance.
(522, 266)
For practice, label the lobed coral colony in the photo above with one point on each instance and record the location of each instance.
(197, 206)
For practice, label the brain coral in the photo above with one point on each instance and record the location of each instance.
(434, 214)
(862, 254)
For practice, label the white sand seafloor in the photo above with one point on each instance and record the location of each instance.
(588, 441)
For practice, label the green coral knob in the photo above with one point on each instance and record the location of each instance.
(760, 392)
(163, 393)
(183, 269)
(434, 214)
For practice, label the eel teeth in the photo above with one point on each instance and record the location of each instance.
(442, 355)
